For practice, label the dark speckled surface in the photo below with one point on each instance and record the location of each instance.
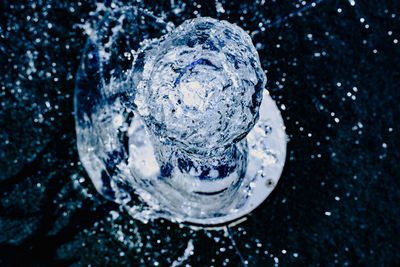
(333, 70)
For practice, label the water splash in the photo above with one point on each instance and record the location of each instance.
(175, 122)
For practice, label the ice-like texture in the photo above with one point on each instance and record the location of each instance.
(202, 85)
(176, 123)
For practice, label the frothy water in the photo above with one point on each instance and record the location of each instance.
(175, 122)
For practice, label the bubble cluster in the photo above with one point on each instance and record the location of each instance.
(202, 85)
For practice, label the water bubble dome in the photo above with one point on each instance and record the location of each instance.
(175, 122)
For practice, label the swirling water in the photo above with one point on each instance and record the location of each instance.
(341, 155)
(175, 122)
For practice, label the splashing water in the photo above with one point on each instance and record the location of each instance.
(175, 122)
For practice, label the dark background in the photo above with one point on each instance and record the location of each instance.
(334, 72)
